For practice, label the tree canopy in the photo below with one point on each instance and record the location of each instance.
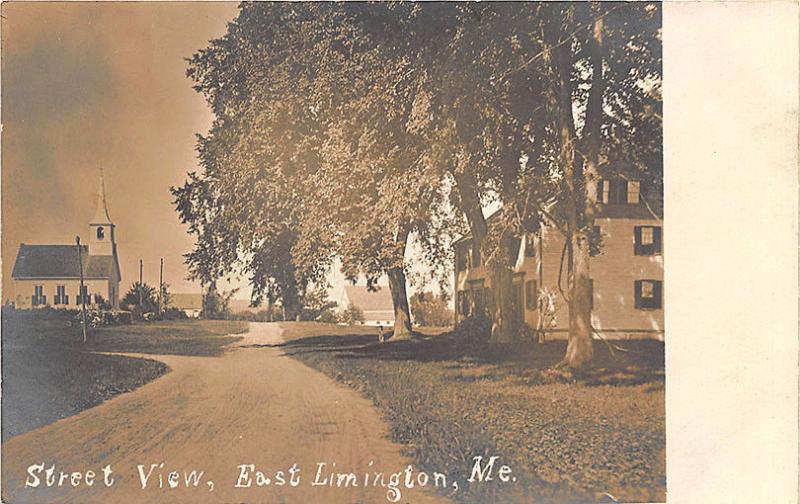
(349, 130)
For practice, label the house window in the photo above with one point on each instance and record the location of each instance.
(605, 191)
(476, 256)
(633, 192)
(38, 296)
(61, 295)
(101, 233)
(530, 246)
(647, 294)
(531, 295)
(618, 191)
(647, 240)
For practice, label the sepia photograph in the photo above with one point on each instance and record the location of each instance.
(345, 252)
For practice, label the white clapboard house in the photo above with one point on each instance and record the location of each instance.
(627, 275)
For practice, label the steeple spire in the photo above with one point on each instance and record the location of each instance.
(101, 213)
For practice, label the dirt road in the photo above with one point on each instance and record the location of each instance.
(214, 414)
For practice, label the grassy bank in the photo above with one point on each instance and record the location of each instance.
(599, 436)
(48, 374)
(174, 337)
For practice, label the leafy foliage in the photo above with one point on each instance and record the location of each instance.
(216, 304)
(430, 310)
(149, 301)
(317, 306)
(353, 130)
(351, 315)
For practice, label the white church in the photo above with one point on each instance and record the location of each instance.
(49, 275)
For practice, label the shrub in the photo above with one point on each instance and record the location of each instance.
(97, 318)
(475, 329)
(430, 310)
(526, 333)
(352, 315)
(174, 314)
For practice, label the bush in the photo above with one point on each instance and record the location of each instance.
(475, 329)
(429, 310)
(352, 315)
(526, 333)
(97, 318)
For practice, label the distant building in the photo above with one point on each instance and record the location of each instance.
(627, 275)
(190, 304)
(49, 275)
(376, 306)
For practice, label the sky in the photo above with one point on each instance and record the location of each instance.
(98, 85)
(91, 85)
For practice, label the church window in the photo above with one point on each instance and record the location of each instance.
(101, 233)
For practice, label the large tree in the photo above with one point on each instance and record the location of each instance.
(345, 129)
(533, 103)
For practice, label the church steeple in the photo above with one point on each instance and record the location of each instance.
(101, 212)
(101, 237)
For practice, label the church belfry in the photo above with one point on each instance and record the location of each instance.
(101, 229)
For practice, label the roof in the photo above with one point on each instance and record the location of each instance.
(366, 300)
(186, 301)
(607, 211)
(189, 301)
(382, 315)
(60, 261)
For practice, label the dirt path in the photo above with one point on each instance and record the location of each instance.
(252, 406)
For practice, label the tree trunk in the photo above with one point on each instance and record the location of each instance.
(581, 181)
(579, 345)
(397, 287)
(581, 192)
(503, 309)
(402, 316)
(501, 276)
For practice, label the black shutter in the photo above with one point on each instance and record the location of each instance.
(637, 241)
(637, 293)
(657, 293)
(657, 240)
(591, 294)
(66, 299)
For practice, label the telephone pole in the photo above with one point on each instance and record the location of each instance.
(83, 297)
(140, 286)
(161, 289)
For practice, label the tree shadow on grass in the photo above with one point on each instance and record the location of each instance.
(626, 363)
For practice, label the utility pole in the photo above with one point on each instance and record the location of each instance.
(161, 289)
(140, 286)
(83, 298)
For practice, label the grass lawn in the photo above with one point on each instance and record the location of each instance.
(597, 436)
(174, 337)
(48, 374)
